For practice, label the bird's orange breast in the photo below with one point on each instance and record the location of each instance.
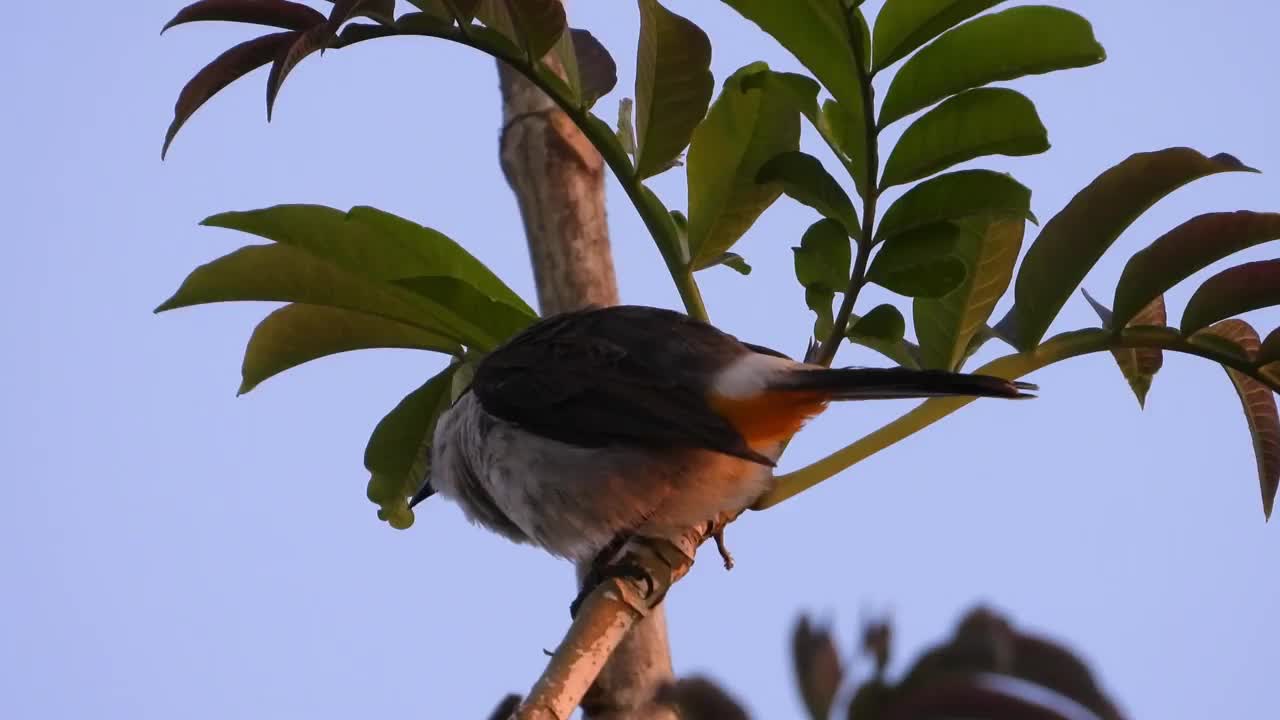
(768, 417)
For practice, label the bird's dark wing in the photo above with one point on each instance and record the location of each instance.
(614, 376)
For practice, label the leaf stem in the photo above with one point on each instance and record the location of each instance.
(1062, 347)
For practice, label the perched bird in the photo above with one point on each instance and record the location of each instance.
(599, 426)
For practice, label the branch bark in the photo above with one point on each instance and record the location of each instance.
(558, 179)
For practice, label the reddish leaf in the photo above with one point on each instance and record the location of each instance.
(968, 698)
(1270, 351)
(817, 666)
(597, 71)
(317, 38)
(1139, 365)
(277, 13)
(1190, 247)
(462, 10)
(1233, 291)
(698, 698)
(1259, 405)
(344, 10)
(224, 70)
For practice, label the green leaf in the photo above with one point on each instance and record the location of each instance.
(824, 257)
(673, 86)
(225, 69)
(499, 319)
(900, 351)
(815, 32)
(399, 451)
(1073, 241)
(1188, 248)
(280, 273)
(920, 263)
(806, 181)
(817, 667)
(986, 121)
(946, 326)
(744, 129)
(883, 322)
(956, 196)
(904, 25)
(626, 131)
(1021, 41)
(534, 25)
(734, 262)
(1233, 291)
(1259, 405)
(1139, 365)
(297, 334)
(845, 130)
(371, 242)
(819, 301)
(282, 14)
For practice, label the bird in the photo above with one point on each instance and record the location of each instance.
(596, 427)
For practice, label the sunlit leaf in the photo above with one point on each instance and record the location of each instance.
(225, 69)
(673, 86)
(904, 25)
(1259, 404)
(946, 326)
(815, 32)
(804, 179)
(538, 24)
(499, 319)
(398, 453)
(297, 334)
(1073, 241)
(371, 242)
(956, 196)
(986, 121)
(1233, 291)
(1188, 248)
(276, 13)
(1021, 41)
(280, 273)
(1139, 365)
(920, 263)
(744, 129)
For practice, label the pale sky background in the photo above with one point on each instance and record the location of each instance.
(169, 550)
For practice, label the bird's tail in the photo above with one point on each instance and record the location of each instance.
(897, 383)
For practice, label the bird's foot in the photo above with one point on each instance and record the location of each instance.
(715, 529)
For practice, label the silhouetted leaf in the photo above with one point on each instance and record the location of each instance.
(597, 72)
(956, 196)
(1021, 41)
(280, 273)
(306, 42)
(398, 453)
(882, 322)
(744, 129)
(1073, 241)
(1259, 405)
(817, 667)
(1270, 351)
(904, 25)
(344, 10)
(946, 326)
(1233, 291)
(986, 121)
(920, 263)
(225, 69)
(1186, 249)
(824, 257)
(698, 698)
(506, 707)
(673, 86)
(815, 32)
(297, 334)
(276, 13)
(1138, 365)
(371, 242)
(806, 181)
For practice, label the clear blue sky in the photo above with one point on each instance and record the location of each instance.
(169, 550)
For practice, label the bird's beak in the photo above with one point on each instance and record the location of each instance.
(423, 493)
